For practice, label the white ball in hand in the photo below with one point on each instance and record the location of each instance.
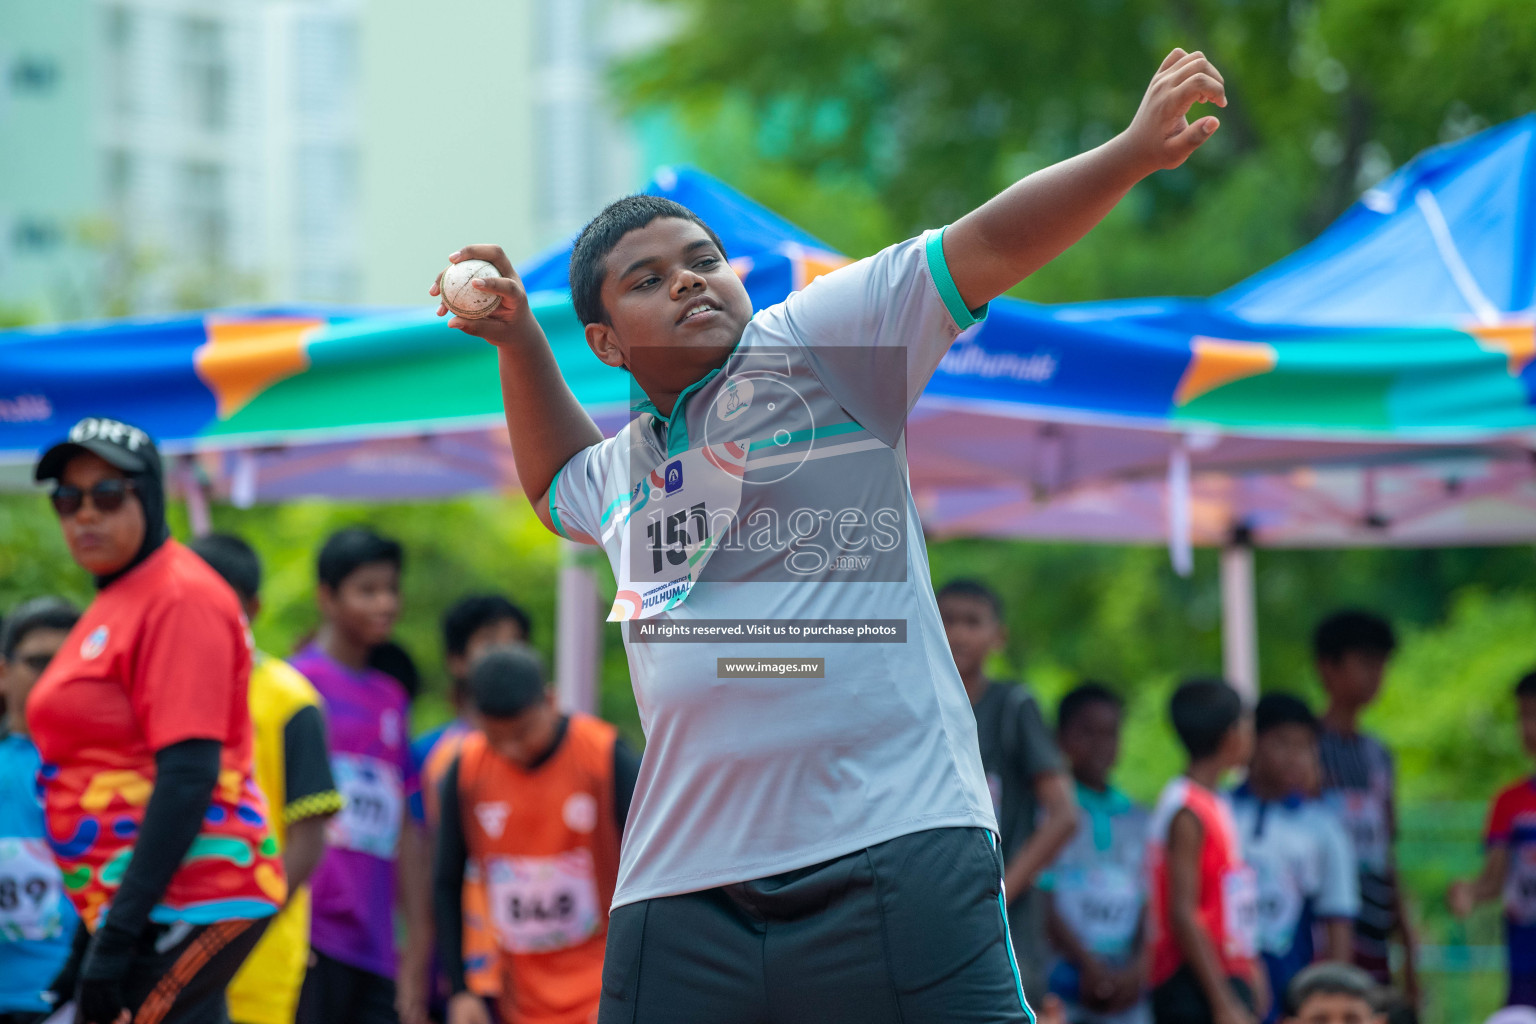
(460, 296)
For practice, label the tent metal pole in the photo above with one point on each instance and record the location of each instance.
(576, 631)
(1239, 619)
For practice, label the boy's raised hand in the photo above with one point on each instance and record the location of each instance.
(501, 327)
(1159, 134)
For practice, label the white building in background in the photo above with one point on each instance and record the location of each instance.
(202, 152)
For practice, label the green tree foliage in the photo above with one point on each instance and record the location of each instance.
(867, 120)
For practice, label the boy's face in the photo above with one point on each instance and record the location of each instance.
(498, 633)
(19, 674)
(1353, 678)
(1284, 758)
(1237, 747)
(1528, 724)
(522, 739)
(972, 629)
(1091, 742)
(366, 604)
(1335, 1009)
(675, 307)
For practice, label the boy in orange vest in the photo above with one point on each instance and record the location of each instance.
(536, 800)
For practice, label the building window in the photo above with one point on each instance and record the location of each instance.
(120, 29)
(205, 73)
(205, 212)
(34, 75)
(33, 235)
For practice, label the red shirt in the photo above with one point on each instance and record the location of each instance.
(1228, 907)
(161, 656)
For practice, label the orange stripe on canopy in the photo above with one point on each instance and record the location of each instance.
(1216, 361)
(242, 358)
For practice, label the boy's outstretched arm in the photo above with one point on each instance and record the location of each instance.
(1017, 232)
(545, 421)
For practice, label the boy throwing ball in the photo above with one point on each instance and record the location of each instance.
(818, 846)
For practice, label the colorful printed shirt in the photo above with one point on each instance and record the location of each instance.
(1512, 824)
(161, 656)
(37, 920)
(1306, 873)
(775, 494)
(353, 889)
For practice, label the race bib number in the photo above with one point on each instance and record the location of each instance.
(1520, 884)
(670, 524)
(1280, 906)
(375, 800)
(1240, 910)
(539, 904)
(1365, 816)
(30, 892)
(1102, 906)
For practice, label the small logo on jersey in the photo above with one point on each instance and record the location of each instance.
(674, 476)
(580, 812)
(492, 818)
(734, 400)
(389, 727)
(95, 643)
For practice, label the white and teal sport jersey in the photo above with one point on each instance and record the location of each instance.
(776, 496)
(1098, 881)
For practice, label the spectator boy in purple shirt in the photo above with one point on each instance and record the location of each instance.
(377, 857)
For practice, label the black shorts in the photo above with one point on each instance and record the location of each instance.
(180, 971)
(911, 930)
(338, 993)
(1181, 999)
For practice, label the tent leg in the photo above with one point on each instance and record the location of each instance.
(576, 632)
(198, 515)
(1239, 621)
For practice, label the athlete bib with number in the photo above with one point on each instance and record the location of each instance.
(1365, 815)
(1520, 885)
(670, 523)
(539, 904)
(1280, 906)
(1240, 911)
(375, 799)
(1102, 906)
(30, 891)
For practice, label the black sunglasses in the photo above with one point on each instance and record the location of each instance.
(106, 496)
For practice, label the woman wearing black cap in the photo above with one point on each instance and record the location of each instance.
(145, 735)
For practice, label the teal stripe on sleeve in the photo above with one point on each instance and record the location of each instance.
(938, 267)
(554, 513)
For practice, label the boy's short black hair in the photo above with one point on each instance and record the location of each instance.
(1203, 711)
(974, 589)
(1352, 630)
(348, 550)
(233, 559)
(1082, 697)
(469, 615)
(394, 660)
(602, 233)
(1526, 687)
(507, 681)
(1277, 709)
(38, 613)
(1330, 979)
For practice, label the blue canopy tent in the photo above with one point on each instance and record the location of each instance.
(1374, 388)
